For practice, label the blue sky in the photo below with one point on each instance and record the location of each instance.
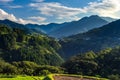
(56, 11)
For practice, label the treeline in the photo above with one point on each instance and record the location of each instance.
(17, 45)
(27, 68)
(105, 63)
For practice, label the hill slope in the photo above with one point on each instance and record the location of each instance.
(96, 39)
(16, 45)
(104, 63)
(45, 28)
(20, 26)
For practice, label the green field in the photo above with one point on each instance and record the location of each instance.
(48, 77)
(22, 78)
(28, 78)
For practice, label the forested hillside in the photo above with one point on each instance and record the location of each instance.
(95, 39)
(17, 45)
(103, 63)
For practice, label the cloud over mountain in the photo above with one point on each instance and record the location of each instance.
(5, 15)
(56, 9)
(108, 8)
(45, 11)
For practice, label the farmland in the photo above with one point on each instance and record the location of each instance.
(54, 77)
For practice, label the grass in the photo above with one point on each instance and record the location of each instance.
(22, 78)
(48, 77)
(7, 76)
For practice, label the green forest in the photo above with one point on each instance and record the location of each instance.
(35, 54)
(104, 63)
(16, 45)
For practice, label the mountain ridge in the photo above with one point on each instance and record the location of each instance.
(64, 29)
(13, 24)
(82, 25)
(95, 40)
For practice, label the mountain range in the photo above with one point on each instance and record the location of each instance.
(80, 26)
(20, 26)
(88, 34)
(94, 40)
(64, 29)
(71, 28)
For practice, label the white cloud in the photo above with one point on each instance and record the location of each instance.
(56, 10)
(27, 21)
(33, 20)
(5, 15)
(109, 8)
(38, 18)
(5, 1)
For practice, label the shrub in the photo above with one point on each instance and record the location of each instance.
(114, 77)
(47, 78)
(7, 76)
(45, 72)
(6, 68)
(47, 69)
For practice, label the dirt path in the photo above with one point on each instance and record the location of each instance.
(69, 78)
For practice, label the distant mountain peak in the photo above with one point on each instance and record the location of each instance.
(92, 40)
(80, 26)
(90, 17)
(94, 16)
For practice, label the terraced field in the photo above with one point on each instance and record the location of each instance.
(70, 78)
(64, 77)
(54, 77)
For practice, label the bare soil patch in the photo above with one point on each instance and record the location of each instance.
(57, 77)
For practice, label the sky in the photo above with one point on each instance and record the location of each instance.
(56, 11)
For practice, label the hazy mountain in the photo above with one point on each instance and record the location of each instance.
(63, 29)
(109, 19)
(46, 28)
(95, 39)
(79, 26)
(19, 26)
(12, 24)
(71, 28)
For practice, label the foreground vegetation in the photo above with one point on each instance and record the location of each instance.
(105, 63)
(30, 70)
(22, 78)
(48, 77)
(37, 55)
(27, 68)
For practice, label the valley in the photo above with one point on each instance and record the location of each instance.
(59, 39)
(38, 56)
